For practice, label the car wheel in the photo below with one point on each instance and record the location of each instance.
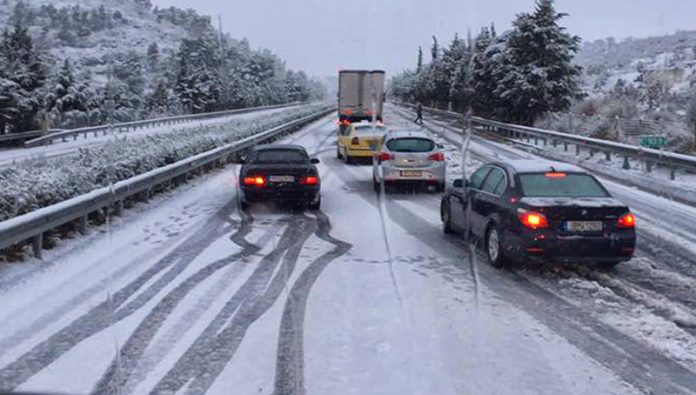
(316, 205)
(349, 160)
(440, 187)
(338, 153)
(446, 217)
(494, 248)
(243, 205)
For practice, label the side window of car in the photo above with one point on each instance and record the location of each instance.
(478, 177)
(495, 178)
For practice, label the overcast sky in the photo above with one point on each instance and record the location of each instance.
(323, 36)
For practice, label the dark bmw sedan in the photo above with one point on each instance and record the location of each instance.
(280, 173)
(540, 211)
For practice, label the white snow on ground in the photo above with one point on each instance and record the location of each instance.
(667, 220)
(409, 322)
(14, 156)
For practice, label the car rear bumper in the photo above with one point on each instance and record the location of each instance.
(308, 194)
(359, 152)
(434, 174)
(548, 247)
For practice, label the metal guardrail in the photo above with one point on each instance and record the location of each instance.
(20, 137)
(33, 225)
(649, 156)
(126, 126)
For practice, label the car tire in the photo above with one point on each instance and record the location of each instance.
(349, 160)
(446, 217)
(316, 205)
(440, 187)
(494, 247)
(244, 205)
(338, 153)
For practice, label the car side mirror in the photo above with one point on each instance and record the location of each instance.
(314, 161)
(460, 183)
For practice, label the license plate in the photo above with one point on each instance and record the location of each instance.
(585, 226)
(281, 179)
(411, 173)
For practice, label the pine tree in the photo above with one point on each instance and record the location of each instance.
(419, 64)
(540, 75)
(153, 56)
(482, 69)
(435, 49)
(24, 77)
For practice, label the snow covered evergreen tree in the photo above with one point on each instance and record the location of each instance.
(23, 77)
(539, 74)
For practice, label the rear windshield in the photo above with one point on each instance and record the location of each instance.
(280, 156)
(367, 130)
(572, 185)
(410, 144)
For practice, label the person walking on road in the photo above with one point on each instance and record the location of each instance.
(419, 114)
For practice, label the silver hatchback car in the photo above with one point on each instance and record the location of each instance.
(410, 157)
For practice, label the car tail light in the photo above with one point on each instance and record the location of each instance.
(355, 141)
(438, 157)
(385, 156)
(258, 181)
(344, 122)
(309, 180)
(627, 221)
(532, 220)
(556, 175)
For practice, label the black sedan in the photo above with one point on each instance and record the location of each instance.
(280, 173)
(540, 211)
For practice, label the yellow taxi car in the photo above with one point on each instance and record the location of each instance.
(359, 140)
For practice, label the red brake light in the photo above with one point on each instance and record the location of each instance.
(385, 156)
(344, 122)
(309, 180)
(627, 221)
(438, 157)
(355, 141)
(556, 175)
(533, 220)
(258, 181)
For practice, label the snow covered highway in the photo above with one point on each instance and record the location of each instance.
(188, 294)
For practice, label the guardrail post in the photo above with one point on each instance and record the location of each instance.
(648, 166)
(672, 173)
(96, 133)
(608, 155)
(554, 142)
(118, 208)
(577, 149)
(626, 164)
(565, 146)
(83, 225)
(74, 137)
(592, 152)
(544, 141)
(37, 245)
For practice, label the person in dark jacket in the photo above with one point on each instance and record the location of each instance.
(419, 114)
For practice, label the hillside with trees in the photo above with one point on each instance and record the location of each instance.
(90, 63)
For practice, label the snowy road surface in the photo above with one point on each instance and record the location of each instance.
(71, 146)
(367, 296)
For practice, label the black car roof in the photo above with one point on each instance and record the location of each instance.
(264, 147)
(538, 166)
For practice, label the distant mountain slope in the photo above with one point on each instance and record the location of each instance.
(665, 64)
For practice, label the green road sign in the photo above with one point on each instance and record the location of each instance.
(653, 141)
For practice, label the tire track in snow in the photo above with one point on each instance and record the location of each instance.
(101, 316)
(133, 349)
(289, 374)
(636, 363)
(202, 363)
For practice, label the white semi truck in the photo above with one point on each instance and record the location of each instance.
(360, 95)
